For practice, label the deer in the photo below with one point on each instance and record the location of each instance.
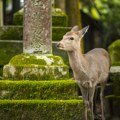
(89, 69)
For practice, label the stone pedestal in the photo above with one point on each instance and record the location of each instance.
(35, 67)
(37, 62)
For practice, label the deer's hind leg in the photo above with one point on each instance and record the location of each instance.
(102, 100)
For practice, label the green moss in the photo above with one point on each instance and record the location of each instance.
(35, 72)
(16, 33)
(62, 89)
(114, 50)
(35, 67)
(1, 72)
(41, 109)
(36, 59)
(116, 63)
(58, 32)
(59, 18)
(11, 33)
(8, 49)
(18, 18)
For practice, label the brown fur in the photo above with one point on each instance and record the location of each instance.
(89, 69)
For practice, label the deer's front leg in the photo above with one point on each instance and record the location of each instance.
(91, 96)
(85, 99)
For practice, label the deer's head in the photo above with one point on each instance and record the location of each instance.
(71, 40)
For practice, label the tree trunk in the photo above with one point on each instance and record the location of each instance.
(1, 13)
(60, 4)
(73, 12)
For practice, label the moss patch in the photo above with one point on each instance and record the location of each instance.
(35, 72)
(41, 109)
(35, 67)
(8, 49)
(36, 59)
(63, 89)
(11, 33)
(18, 17)
(16, 33)
(58, 32)
(59, 18)
(114, 50)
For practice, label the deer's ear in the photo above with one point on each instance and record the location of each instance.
(75, 28)
(83, 31)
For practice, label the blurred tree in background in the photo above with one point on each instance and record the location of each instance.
(102, 16)
(107, 12)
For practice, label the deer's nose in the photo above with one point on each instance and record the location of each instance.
(58, 45)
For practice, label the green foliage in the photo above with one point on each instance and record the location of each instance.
(107, 12)
(41, 109)
(114, 50)
(61, 89)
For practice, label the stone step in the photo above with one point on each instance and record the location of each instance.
(41, 110)
(113, 103)
(16, 32)
(25, 89)
(59, 18)
(35, 67)
(7, 51)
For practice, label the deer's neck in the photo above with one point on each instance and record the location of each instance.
(77, 61)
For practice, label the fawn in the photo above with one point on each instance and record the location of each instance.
(89, 69)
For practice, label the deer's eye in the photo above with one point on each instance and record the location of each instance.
(71, 38)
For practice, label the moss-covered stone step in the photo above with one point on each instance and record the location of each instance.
(59, 18)
(11, 33)
(114, 107)
(114, 50)
(60, 89)
(11, 48)
(16, 32)
(58, 32)
(36, 67)
(115, 78)
(8, 49)
(41, 110)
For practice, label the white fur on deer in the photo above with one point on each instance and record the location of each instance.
(89, 69)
